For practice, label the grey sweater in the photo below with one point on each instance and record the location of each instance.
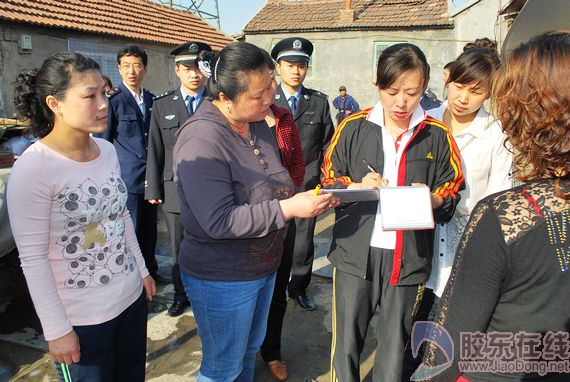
(229, 189)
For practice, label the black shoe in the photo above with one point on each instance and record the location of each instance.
(177, 308)
(305, 301)
(161, 280)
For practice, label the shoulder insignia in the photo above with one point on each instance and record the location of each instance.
(111, 92)
(163, 95)
(318, 94)
(322, 95)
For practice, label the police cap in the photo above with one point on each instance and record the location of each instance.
(187, 53)
(292, 49)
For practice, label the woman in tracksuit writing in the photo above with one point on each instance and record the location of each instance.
(379, 271)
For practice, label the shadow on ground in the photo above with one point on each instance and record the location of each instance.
(173, 343)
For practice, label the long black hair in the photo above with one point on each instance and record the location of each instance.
(53, 78)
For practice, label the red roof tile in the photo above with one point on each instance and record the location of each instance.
(132, 19)
(324, 15)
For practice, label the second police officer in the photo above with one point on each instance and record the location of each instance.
(170, 111)
(311, 111)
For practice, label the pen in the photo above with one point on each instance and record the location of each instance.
(316, 192)
(370, 168)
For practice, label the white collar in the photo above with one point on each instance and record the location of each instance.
(138, 98)
(376, 116)
(477, 127)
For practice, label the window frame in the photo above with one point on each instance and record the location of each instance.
(376, 53)
(104, 53)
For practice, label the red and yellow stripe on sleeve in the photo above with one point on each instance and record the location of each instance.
(329, 178)
(450, 188)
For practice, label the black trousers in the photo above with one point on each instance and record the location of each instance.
(355, 302)
(175, 234)
(271, 347)
(423, 314)
(113, 351)
(303, 255)
(143, 215)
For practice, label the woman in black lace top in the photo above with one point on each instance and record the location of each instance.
(506, 305)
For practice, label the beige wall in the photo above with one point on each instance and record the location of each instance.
(479, 18)
(346, 58)
(47, 41)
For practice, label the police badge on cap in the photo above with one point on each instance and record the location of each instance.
(187, 53)
(292, 49)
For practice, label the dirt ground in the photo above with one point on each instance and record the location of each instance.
(173, 343)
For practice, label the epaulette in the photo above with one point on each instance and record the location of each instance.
(112, 92)
(163, 95)
(319, 94)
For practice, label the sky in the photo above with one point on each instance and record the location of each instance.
(234, 14)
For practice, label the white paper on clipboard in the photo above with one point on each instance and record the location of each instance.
(353, 195)
(406, 208)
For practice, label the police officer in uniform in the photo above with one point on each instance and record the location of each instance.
(170, 111)
(311, 111)
(128, 125)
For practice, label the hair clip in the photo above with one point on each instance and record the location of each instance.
(204, 67)
(216, 70)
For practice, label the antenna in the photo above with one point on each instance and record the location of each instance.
(206, 9)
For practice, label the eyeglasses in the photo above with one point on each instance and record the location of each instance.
(135, 67)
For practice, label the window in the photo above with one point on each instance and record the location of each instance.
(105, 54)
(379, 47)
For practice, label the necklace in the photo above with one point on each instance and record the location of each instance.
(240, 128)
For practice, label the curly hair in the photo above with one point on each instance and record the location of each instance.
(532, 102)
(481, 43)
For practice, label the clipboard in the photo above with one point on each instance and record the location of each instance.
(353, 195)
(406, 208)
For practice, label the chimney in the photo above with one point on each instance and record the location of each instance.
(346, 15)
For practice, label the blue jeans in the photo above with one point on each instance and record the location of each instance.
(232, 319)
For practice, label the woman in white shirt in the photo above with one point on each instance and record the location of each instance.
(485, 159)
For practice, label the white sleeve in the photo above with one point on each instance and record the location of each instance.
(29, 199)
(501, 162)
